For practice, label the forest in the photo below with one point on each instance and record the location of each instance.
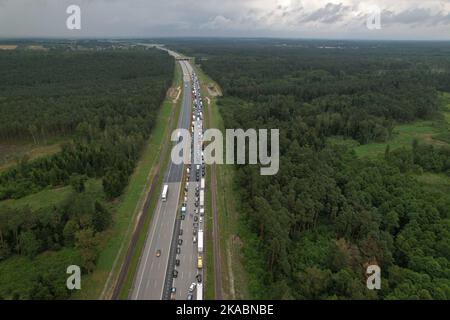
(311, 231)
(104, 104)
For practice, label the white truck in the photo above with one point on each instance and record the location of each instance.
(164, 192)
(200, 291)
(200, 241)
(202, 185)
(202, 198)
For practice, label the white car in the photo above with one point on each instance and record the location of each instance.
(192, 287)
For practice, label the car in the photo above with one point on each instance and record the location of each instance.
(199, 278)
(158, 253)
(196, 204)
(180, 241)
(182, 217)
(173, 290)
(195, 224)
(181, 232)
(195, 218)
(192, 287)
(194, 240)
(175, 273)
(177, 262)
(178, 250)
(199, 262)
(201, 220)
(195, 232)
(190, 296)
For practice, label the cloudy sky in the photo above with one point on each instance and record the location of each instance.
(400, 19)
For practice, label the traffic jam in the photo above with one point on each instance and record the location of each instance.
(195, 178)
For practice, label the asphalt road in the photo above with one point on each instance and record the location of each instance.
(151, 274)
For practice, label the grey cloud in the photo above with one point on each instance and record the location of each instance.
(415, 17)
(329, 14)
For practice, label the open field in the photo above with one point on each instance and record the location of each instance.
(8, 46)
(53, 197)
(10, 154)
(433, 132)
(403, 136)
(435, 181)
(37, 47)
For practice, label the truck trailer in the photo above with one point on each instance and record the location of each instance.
(200, 241)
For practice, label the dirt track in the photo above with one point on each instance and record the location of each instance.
(216, 234)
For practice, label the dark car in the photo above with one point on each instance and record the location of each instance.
(199, 278)
(180, 241)
(177, 262)
(195, 218)
(178, 250)
(175, 273)
(181, 232)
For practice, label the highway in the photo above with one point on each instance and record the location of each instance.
(154, 277)
(192, 224)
